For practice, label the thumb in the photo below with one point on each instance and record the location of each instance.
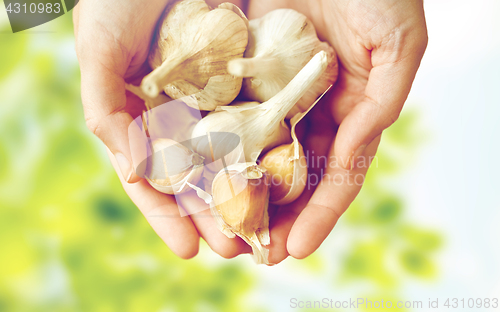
(104, 102)
(386, 91)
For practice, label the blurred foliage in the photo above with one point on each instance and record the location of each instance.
(390, 249)
(13, 55)
(71, 240)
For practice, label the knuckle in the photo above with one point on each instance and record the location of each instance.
(93, 125)
(425, 40)
(418, 40)
(391, 118)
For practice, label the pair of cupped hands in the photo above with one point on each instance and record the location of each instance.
(379, 44)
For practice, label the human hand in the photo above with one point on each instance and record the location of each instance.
(379, 44)
(111, 52)
(112, 43)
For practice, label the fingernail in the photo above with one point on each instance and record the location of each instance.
(359, 151)
(124, 165)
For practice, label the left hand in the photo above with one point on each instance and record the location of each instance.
(379, 44)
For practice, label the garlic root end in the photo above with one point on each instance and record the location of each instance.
(253, 66)
(152, 85)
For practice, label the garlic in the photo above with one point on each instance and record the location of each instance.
(166, 118)
(280, 44)
(240, 202)
(287, 166)
(149, 102)
(172, 166)
(261, 127)
(288, 169)
(220, 149)
(191, 50)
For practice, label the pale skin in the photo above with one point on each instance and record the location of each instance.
(379, 44)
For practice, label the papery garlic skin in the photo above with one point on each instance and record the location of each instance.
(261, 127)
(171, 166)
(190, 53)
(240, 205)
(280, 44)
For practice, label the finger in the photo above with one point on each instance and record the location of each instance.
(280, 226)
(319, 134)
(331, 198)
(207, 228)
(162, 213)
(104, 103)
(388, 85)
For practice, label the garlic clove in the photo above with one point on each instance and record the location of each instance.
(262, 127)
(280, 44)
(191, 50)
(287, 165)
(172, 165)
(288, 173)
(240, 203)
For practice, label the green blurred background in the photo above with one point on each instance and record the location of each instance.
(71, 240)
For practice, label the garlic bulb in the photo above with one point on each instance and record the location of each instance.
(287, 166)
(191, 50)
(261, 127)
(240, 202)
(280, 44)
(172, 166)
